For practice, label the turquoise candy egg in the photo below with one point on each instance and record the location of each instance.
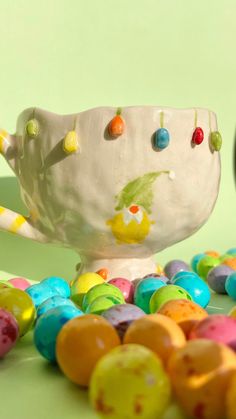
(161, 138)
(230, 285)
(40, 293)
(144, 291)
(232, 251)
(196, 287)
(53, 302)
(59, 284)
(48, 327)
(181, 274)
(195, 260)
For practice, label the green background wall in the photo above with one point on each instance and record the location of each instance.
(67, 56)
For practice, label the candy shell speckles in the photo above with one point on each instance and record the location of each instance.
(9, 332)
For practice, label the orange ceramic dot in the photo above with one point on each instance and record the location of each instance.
(158, 333)
(116, 126)
(212, 253)
(231, 262)
(81, 343)
(103, 272)
(185, 313)
(230, 399)
(200, 373)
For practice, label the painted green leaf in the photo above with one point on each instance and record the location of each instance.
(139, 192)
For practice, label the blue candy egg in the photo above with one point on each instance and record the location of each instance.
(144, 290)
(231, 251)
(181, 274)
(161, 138)
(196, 287)
(40, 293)
(230, 285)
(48, 327)
(53, 302)
(59, 284)
(195, 260)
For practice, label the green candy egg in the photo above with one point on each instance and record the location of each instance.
(101, 304)
(164, 294)
(216, 140)
(101, 290)
(32, 128)
(205, 265)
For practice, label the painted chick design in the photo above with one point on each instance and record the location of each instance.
(132, 224)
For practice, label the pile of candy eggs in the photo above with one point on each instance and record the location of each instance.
(150, 342)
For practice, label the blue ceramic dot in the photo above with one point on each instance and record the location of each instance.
(195, 260)
(196, 287)
(144, 290)
(48, 327)
(230, 285)
(52, 302)
(161, 138)
(231, 251)
(40, 293)
(59, 284)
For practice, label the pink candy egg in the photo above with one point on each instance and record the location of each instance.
(217, 327)
(9, 332)
(125, 286)
(20, 283)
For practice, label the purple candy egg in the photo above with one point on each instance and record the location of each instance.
(121, 316)
(217, 276)
(175, 266)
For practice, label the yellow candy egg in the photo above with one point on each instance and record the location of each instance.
(83, 284)
(130, 382)
(20, 305)
(230, 399)
(232, 312)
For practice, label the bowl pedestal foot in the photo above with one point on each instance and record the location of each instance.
(125, 268)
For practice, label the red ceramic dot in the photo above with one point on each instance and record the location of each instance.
(134, 209)
(198, 136)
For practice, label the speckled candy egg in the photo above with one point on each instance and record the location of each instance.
(20, 283)
(184, 312)
(21, 306)
(130, 382)
(49, 325)
(40, 293)
(99, 291)
(125, 286)
(196, 287)
(80, 345)
(157, 276)
(230, 285)
(158, 333)
(232, 251)
(230, 398)
(200, 373)
(101, 304)
(53, 302)
(205, 265)
(164, 294)
(122, 315)
(144, 291)
(9, 332)
(218, 327)
(83, 284)
(5, 284)
(174, 266)
(181, 274)
(217, 276)
(231, 262)
(59, 284)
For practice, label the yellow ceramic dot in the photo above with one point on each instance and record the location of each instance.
(129, 382)
(32, 128)
(20, 305)
(71, 142)
(3, 136)
(83, 284)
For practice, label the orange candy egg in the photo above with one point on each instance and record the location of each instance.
(231, 262)
(81, 343)
(158, 333)
(185, 313)
(200, 373)
(230, 398)
(212, 253)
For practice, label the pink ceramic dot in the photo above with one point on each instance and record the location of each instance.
(218, 327)
(20, 283)
(9, 332)
(125, 286)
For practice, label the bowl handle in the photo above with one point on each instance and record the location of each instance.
(9, 220)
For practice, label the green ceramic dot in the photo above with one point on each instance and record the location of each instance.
(205, 265)
(216, 140)
(101, 304)
(32, 128)
(101, 290)
(164, 294)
